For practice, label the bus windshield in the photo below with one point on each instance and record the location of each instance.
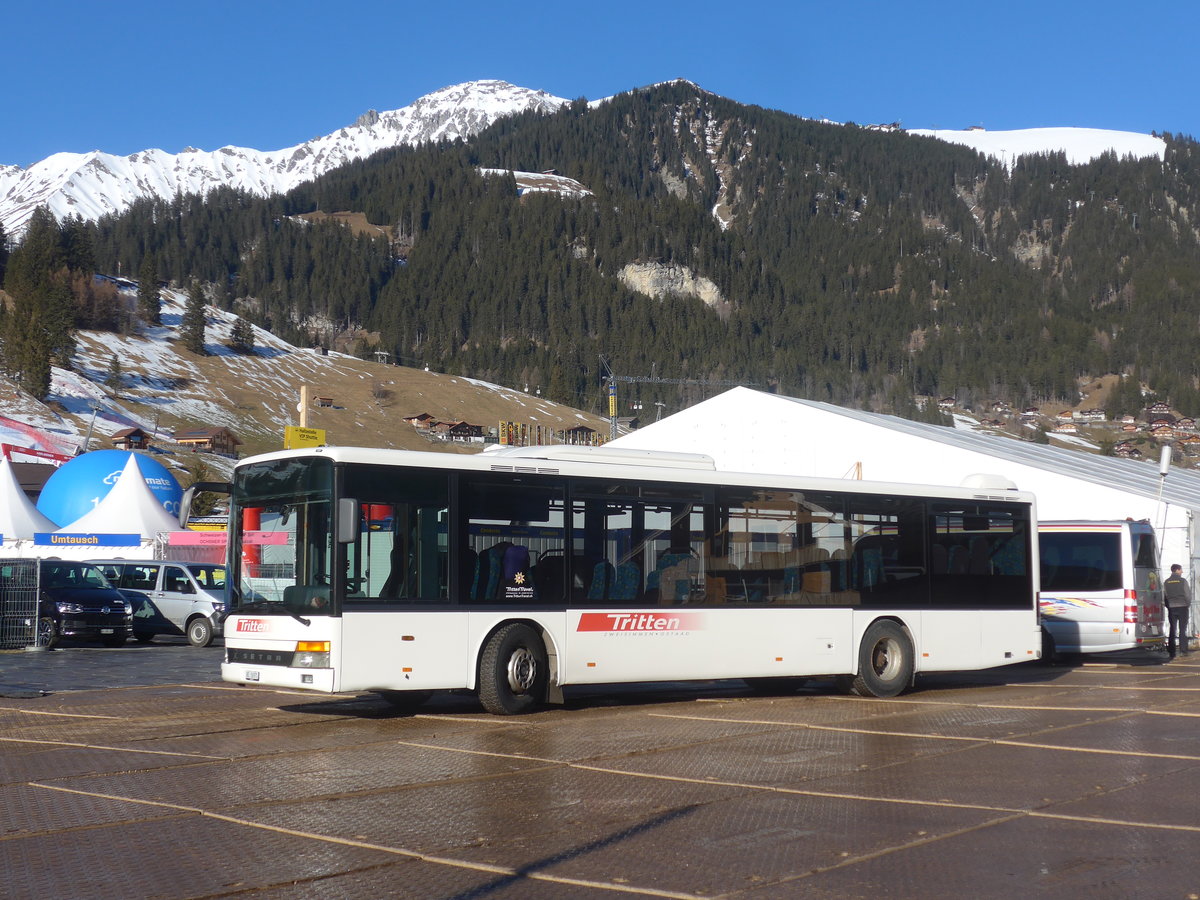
(282, 520)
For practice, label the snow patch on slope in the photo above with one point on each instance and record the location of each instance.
(1080, 145)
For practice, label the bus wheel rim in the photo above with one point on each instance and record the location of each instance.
(522, 670)
(885, 659)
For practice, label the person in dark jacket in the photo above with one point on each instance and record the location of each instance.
(1178, 599)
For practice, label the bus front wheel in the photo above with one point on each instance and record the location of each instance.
(513, 671)
(885, 661)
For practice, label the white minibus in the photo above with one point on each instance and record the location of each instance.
(1100, 589)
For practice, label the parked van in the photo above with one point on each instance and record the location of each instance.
(1100, 587)
(170, 597)
(46, 601)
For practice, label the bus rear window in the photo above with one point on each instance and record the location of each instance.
(1080, 561)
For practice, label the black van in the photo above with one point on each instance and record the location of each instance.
(76, 601)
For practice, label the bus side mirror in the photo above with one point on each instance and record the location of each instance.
(213, 487)
(347, 520)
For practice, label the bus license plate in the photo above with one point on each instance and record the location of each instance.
(252, 675)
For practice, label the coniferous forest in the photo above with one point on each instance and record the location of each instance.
(858, 266)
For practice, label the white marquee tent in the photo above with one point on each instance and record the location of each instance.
(751, 431)
(20, 520)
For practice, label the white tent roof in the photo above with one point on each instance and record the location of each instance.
(750, 431)
(129, 508)
(757, 432)
(19, 518)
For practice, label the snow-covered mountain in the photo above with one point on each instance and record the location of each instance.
(96, 183)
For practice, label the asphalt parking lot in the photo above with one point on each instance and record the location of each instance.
(134, 773)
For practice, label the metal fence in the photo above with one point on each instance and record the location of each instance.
(19, 591)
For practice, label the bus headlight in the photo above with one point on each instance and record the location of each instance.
(311, 655)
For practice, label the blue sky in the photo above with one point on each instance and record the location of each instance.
(129, 76)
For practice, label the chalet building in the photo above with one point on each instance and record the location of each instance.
(1162, 422)
(1157, 410)
(1000, 406)
(1186, 423)
(323, 401)
(131, 439)
(210, 440)
(1130, 427)
(1030, 413)
(1162, 431)
(1092, 415)
(1066, 428)
(423, 421)
(1065, 416)
(1128, 419)
(463, 432)
(947, 403)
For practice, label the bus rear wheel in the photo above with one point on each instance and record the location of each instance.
(885, 661)
(513, 671)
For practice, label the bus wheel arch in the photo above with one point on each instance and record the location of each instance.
(514, 669)
(886, 660)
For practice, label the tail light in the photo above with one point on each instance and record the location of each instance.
(1131, 607)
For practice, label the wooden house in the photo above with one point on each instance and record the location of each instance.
(131, 439)
(210, 440)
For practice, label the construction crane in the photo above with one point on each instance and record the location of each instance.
(612, 379)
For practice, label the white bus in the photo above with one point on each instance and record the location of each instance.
(517, 572)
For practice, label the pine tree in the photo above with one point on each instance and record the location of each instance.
(38, 331)
(242, 337)
(191, 329)
(114, 379)
(148, 298)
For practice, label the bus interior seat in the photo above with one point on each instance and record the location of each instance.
(513, 568)
(515, 560)
(602, 576)
(626, 581)
(549, 576)
(675, 583)
(668, 558)
(491, 568)
(391, 585)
